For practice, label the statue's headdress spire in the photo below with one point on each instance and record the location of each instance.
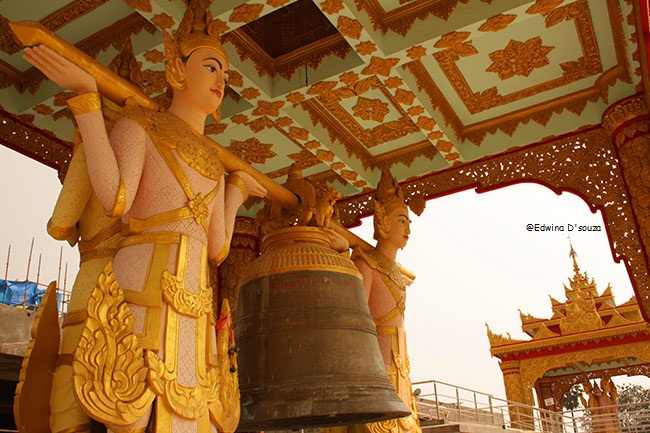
(196, 30)
(389, 195)
(389, 192)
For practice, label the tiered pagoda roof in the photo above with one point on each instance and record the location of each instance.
(584, 318)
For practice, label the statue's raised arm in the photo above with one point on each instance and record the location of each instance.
(86, 106)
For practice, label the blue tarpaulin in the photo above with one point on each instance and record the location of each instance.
(20, 293)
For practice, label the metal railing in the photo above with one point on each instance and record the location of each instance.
(455, 404)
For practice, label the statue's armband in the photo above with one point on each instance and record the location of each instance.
(85, 103)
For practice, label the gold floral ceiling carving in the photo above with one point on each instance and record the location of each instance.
(401, 20)
(523, 61)
(519, 58)
(116, 35)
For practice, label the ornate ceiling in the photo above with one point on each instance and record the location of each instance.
(346, 88)
(447, 94)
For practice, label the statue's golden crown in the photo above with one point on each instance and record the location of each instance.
(196, 30)
(389, 192)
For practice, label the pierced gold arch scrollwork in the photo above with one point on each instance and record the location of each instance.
(584, 163)
(560, 385)
(533, 369)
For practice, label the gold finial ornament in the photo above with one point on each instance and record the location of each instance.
(196, 30)
(389, 195)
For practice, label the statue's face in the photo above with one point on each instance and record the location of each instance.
(206, 74)
(399, 226)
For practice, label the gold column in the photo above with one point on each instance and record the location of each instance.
(627, 122)
(244, 248)
(517, 392)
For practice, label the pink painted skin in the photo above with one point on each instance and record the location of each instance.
(380, 299)
(130, 156)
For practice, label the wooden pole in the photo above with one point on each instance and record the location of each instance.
(38, 271)
(29, 263)
(7, 267)
(58, 276)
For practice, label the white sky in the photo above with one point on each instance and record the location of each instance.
(474, 259)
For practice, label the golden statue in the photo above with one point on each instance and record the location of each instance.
(385, 287)
(149, 333)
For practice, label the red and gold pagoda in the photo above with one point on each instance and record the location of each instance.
(588, 336)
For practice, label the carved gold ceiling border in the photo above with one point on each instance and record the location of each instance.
(320, 115)
(9, 75)
(286, 65)
(17, 133)
(508, 123)
(405, 155)
(342, 126)
(475, 102)
(385, 131)
(54, 22)
(70, 12)
(588, 156)
(616, 21)
(301, 137)
(425, 82)
(541, 113)
(401, 20)
(328, 176)
(116, 35)
(304, 159)
(8, 42)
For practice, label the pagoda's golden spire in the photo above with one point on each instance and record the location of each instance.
(573, 255)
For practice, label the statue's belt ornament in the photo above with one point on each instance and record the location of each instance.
(116, 380)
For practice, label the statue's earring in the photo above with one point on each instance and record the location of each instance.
(173, 74)
(384, 230)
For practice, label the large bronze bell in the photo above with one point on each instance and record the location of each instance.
(309, 355)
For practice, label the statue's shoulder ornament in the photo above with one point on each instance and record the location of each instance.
(381, 263)
(168, 132)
